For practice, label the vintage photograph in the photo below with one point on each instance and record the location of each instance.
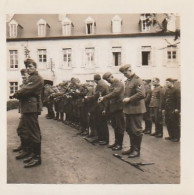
(93, 98)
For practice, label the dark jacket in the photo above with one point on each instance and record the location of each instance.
(157, 97)
(115, 96)
(30, 94)
(134, 88)
(171, 99)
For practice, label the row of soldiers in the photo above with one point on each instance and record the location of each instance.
(91, 107)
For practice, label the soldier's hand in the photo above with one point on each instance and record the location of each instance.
(126, 100)
(100, 99)
(77, 91)
(163, 111)
(86, 97)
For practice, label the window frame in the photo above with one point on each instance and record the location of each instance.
(14, 87)
(15, 59)
(146, 49)
(68, 52)
(170, 50)
(42, 64)
(90, 63)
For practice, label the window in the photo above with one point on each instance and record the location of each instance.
(116, 51)
(171, 53)
(90, 23)
(67, 57)
(42, 56)
(66, 26)
(13, 58)
(145, 22)
(66, 29)
(42, 27)
(116, 24)
(13, 28)
(146, 55)
(90, 57)
(13, 87)
(41, 30)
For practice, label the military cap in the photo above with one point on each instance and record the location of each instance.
(106, 75)
(170, 80)
(97, 77)
(124, 67)
(29, 61)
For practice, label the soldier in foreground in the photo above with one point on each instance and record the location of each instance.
(31, 107)
(134, 107)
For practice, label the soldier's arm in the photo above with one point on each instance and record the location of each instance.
(33, 87)
(118, 88)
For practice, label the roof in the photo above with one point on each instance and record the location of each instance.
(130, 23)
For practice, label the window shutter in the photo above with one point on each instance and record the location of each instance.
(164, 61)
(139, 58)
(178, 56)
(83, 64)
(153, 57)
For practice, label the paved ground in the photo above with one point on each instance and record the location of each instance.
(69, 159)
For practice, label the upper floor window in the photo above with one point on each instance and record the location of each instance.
(42, 57)
(13, 29)
(13, 59)
(13, 87)
(171, 53)
(145, 22)
(67, 57)
(90, 25)
(42, 27)
(90, 57)
(116, 24)
(116, 53)
(146, 55)
(66, 26)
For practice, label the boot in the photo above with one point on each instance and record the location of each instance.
(25, 152)
(36, 159)
(119, 144)
(137, 146)
(19, 148)
(131, 137)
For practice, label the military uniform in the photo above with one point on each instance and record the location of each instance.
(115, 110)
(156, 111)
(31, 107)
(170, 104)
(147, 115)
(134, 110)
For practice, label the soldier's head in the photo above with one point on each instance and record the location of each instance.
(127, 70)
(30, 66)
(97, 78)
(155, 81)
(169, 82)
(108, 77)
(24, 74)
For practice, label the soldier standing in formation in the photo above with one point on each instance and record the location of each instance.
(29, 96)
(134, 107)
(171, 108)
(115, 109)
(156, 107)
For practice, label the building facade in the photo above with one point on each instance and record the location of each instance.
(80, 45)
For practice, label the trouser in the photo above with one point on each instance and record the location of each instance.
(173, 124)
(118, 124)
(157, 116)
(84, 118)
(50, 109)
(134, 129)
(92, 124)
(101, 126)
(148, 120)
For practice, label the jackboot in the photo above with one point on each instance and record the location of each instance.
(25, 150)
(137, 146)
(19, 148)
(131, 137)
(119, 144)
(36, 159)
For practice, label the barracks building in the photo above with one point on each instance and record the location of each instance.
(80, 45)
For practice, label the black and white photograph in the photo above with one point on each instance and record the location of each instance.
(93, 98)
(96, 97)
